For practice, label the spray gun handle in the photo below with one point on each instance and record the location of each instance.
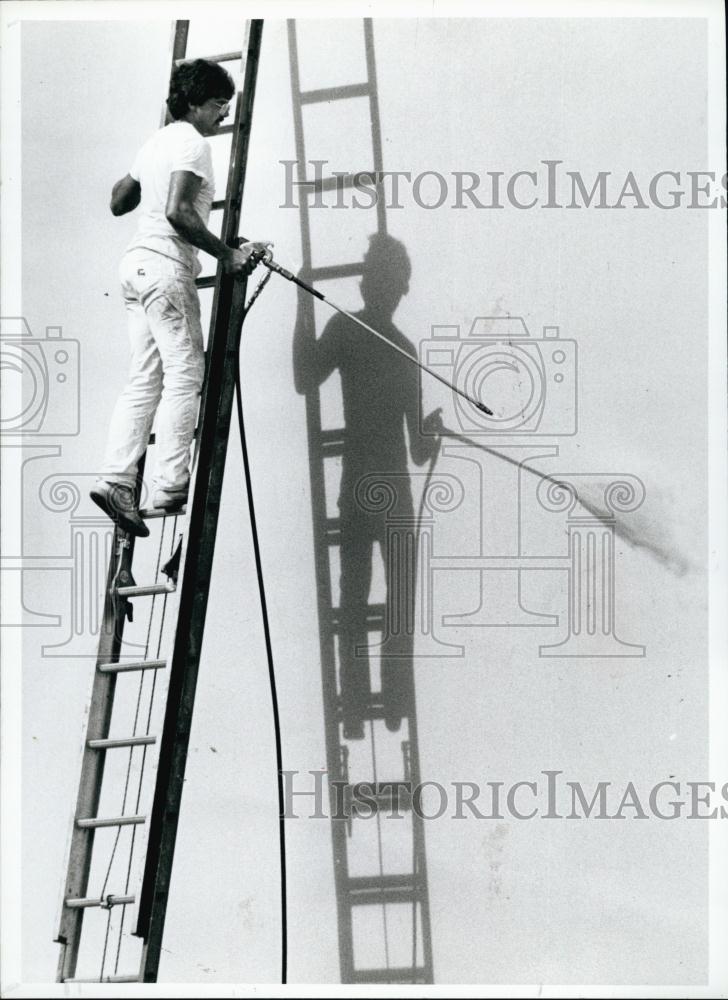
(258, 255)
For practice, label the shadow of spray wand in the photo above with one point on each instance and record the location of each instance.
(266, 258)
(645, 535)
(642, 536)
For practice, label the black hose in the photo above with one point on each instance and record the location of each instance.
(271, 673)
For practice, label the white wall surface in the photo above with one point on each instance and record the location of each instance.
(536, 901)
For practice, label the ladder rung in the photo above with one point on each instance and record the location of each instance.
(333, 530)
(344, 93)
(332, 442)
(120, 668)
(217, 205)
(377, 889)
(99, 821)
(385, 795)
(408, 974)
(225, 129)
(334, 271)
(106, 902)
(225, 57)
(147, 591)
(129, 741)
(374, 708)
(106, 979)
(374, 619)
(334, 183)
(150, 513)
(375, 711)
(377, 881)
(207, 282)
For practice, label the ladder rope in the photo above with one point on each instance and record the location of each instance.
(106, 943)
(160, 636)
(142, 768)
(136, 711)
(127, 779)
(414, 907)
(149, 718)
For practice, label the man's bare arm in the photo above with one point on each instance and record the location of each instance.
(125, 195)
(183, 216)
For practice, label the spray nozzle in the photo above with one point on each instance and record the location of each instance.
(263, 253)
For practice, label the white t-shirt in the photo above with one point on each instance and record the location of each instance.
(177, 146)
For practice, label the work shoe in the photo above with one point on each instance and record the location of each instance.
(119, 502)
(169, 500)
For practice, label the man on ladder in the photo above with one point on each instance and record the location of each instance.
(173, 179)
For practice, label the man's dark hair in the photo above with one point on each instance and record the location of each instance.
(196, 82)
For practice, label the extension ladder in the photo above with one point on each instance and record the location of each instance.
(169, 653)
(372, 905)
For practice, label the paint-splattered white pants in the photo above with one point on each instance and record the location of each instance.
(166, 371)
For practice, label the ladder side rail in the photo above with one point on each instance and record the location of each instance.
(102, 699)
(375, 122)
(81, 841)
(320, 547)
(419, 854)
(178, 48)
(92, 765)
(418, 831)
(180, 31)
(231, 208)
(215, 420)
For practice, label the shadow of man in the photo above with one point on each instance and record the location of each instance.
(381, 395)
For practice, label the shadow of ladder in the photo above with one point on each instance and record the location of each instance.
(378, 889)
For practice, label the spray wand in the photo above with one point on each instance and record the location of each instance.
(265, 257)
